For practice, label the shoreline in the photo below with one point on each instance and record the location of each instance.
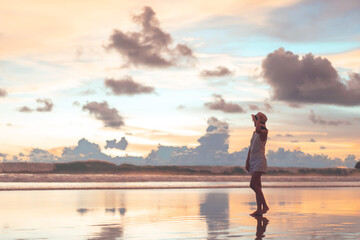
(34, 182)
(27, 177)
(159, 188)
(35, 186)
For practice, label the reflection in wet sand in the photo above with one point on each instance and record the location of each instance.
(82, 211)
(262, 222)
(215, 209)
(109, 232)
(296, 213)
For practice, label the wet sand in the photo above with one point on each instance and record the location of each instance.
(296, 213)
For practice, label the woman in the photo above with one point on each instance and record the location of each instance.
(256, 162)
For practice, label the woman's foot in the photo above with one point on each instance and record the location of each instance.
(257, 212)
(265, 209)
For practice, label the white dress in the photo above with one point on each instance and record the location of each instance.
(257, 159)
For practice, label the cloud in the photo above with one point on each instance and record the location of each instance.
(253, 107)
(180, 107)
(3, 92)
(151, 46)
(308, 80)
(350, 161)
(312, 140)
(267, 106)
(354, 82)
(213, 150)
(88, 92)
(287, 158)
(122, 144)
(103, 112)
(85, 150)
(295, 105)
(216, 137)
(35, 155)
(25, 109)
(286, 135)
(220, 71)
(3, 157)
(220, 104)
(127, 86)
(47, 107)
(320, 121)
(39, 155)
(322, 147)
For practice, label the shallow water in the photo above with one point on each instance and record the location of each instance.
(296, 213)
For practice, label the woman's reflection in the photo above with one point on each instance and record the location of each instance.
(262, 222)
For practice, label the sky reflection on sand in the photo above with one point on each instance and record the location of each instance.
(296, 213)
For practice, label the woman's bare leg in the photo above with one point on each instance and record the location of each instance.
(255, 184)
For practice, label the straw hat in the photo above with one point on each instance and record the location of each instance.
(262, 118)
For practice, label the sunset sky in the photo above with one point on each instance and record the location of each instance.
(150, 73)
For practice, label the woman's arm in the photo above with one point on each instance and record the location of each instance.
(247, 165)
(262, 132)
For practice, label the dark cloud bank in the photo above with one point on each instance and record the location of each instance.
(213, 149)
(149, 47)
(308, 80)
